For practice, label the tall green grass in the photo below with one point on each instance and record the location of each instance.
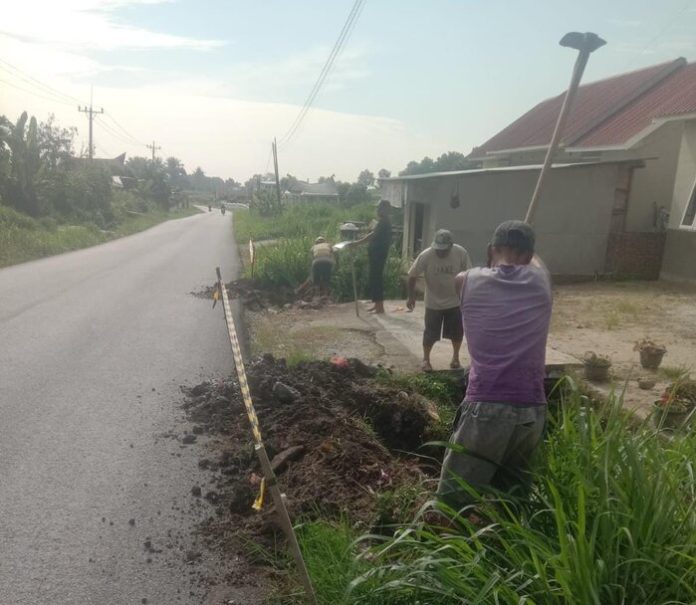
(23, 238)
(307, 219)
(288, 262)
(612, 520)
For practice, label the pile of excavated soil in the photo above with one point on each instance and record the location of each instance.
(336, 437)
(257, 296)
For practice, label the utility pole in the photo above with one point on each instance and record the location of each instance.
(90, 111)
(275, 165)
(154, 148)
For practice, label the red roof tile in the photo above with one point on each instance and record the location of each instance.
(607, 112)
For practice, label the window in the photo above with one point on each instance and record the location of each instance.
(690, 212)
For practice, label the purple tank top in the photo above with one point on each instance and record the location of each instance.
(506, 313)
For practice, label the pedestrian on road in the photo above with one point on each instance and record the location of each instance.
(506, 310)
(440, 264)
(379, 242)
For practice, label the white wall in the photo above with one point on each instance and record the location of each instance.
(572, 221)
(654, 183)
(685, 175)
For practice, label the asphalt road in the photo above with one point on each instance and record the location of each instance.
(93, 347)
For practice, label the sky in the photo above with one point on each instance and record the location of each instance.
(212, 82)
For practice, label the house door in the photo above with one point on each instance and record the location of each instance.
(418, 226)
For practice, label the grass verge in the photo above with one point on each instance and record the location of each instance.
(612, 519)
(23, 238)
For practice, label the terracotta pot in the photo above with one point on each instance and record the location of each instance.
(671, 419)
(596, 373)
(650, 359)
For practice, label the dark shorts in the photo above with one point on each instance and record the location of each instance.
(442, 323)
(321, 272)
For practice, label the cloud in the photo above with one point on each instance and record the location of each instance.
(88, 24)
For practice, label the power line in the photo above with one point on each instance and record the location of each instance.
(338, 46)
(112, 131)
(123, 130)
(35, 93)
(659, 34)
(42, 86)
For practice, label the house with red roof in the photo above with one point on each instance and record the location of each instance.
(621, 195)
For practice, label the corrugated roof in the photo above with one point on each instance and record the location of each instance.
(473, 171)
(607, 112)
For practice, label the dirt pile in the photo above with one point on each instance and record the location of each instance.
(336, 436)
(256, 296)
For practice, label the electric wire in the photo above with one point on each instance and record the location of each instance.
(42, 86)
(34, 92)
(346, 30)
(122, 128)
(112, 131)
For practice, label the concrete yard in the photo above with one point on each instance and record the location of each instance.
(604, 317)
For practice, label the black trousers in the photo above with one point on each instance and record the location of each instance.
(375, 281)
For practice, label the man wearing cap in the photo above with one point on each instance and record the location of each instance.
(506, 310)
(440, 264)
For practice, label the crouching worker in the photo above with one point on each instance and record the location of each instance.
(322, 265)
(506, 310)
(440, 264)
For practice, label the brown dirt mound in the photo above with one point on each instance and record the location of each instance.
(256, 296)
(339, 438)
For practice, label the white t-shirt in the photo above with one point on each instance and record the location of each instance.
(440, 292)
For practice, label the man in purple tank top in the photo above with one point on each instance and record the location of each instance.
(506, 310)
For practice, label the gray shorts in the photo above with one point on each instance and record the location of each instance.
(494, 443)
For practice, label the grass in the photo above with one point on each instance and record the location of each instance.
(674, 372)
(23, 238)
(309, 219)
(612, 519)
(288, 263)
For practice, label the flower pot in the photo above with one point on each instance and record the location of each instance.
(664, 417)
(651, 359)
(596, 373)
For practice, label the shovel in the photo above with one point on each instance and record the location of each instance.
(338, 247)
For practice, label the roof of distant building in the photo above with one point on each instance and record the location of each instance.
(607, 113)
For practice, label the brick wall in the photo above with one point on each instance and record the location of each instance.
(637, 255)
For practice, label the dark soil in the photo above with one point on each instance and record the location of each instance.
(337, 437)
(257, 296)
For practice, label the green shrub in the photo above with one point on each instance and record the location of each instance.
(306, 219)
(612, 519)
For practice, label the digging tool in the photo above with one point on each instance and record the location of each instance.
(585, 44)
(338, 247)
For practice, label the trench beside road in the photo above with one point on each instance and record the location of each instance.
(95, 503)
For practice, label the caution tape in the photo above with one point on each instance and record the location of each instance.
(239, 363)
(269, 480)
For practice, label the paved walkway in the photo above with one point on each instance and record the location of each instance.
(406, 327)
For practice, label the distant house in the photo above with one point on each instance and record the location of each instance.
(302, 191)
(620, 199)
(116, 166)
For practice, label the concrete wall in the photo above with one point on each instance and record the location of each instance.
(680, 255)
(685, 175)
(680, 249)
(653, 184)
(572, 221)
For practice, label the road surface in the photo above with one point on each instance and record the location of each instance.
(93, 347)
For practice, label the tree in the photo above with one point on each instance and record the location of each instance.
(366, 178)
(327, 179)
(24, 162)
(288, 183)
(383, 173)
(55, 142)
(447, 162)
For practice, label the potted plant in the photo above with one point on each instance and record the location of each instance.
(651, 354)
(596, 367)
(677, 406)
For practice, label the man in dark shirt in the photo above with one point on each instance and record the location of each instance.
(379, 242)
